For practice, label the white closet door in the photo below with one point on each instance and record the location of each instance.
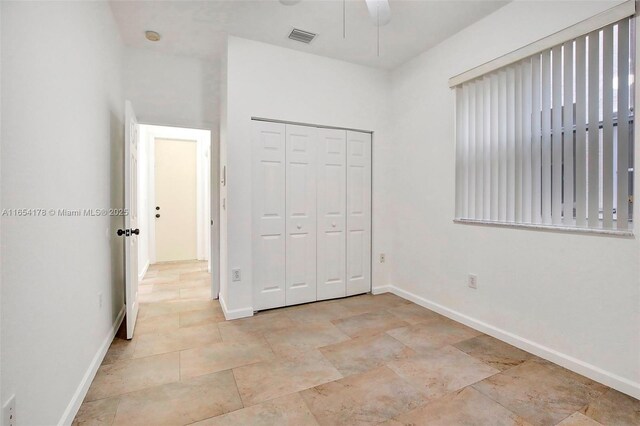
(301, 214)
(332, 200)
(268, 215)
(358, 212)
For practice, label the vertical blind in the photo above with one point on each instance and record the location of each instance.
(548, 140)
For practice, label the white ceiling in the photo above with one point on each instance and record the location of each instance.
(199, 28)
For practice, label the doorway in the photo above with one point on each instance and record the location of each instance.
(175, 197)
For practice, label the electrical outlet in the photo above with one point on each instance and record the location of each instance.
(383, 257)
(100, 299)
(9, 412)
(473, 281)
(235, 275)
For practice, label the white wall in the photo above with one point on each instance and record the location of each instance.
(62, 147)
(572, 298)
(278, 83)
(171, 90)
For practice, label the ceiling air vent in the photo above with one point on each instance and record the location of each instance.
(302, 36)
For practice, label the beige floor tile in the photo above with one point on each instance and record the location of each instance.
(97, 413)
(193, 268)
(541, 392)
(395, 356)
(195, 293)
(159, 296)
(578, 419)
(494, 352)
(266, 322)
(160, 279)
(391, 299)
(441, 371)
(362, 399)
(238, 335)
(267, 380)
(156, 324)
(176, 340)
(463, 407)
(205, 316)
(176, 264)
(180, 403)
(304, 337)
(179, 285)
(196, 275)
(196, 283)
(145, 288)
(369, 324)
(175, 306)
(433, 334)
(222, 356)
(169, 272)
(370, 303)
(319, 312)
(365, 353)
(120, 349)
(151, 273)
(614, 408)
(288, 410)
(135, 374)
(414, 314)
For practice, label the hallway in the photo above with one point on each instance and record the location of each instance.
(361, 360)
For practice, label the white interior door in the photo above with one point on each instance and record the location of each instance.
(332, 177)
(131, 220)
(268, 179)
(301, 214)
(176, 200)
(358, 212)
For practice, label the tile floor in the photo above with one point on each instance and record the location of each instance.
(356, 361)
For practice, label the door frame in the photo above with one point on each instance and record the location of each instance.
(202, 137)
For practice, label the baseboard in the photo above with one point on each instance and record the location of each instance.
(591, 371)
(73, 407)
(382, 289)
(144, 272)
(235, 313)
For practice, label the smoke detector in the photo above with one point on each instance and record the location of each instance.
(152, 35)
(302, 36)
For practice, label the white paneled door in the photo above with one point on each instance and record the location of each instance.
(131, 230)
(311, 214)
(332, 199)
(176, 200)
(358, 212)
(301, 214)
(269, 186)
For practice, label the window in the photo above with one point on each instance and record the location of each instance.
(548, 139)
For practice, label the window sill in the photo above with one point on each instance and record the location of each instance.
(552, 228)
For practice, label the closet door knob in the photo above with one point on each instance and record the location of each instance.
(299, 226)
(333, 224)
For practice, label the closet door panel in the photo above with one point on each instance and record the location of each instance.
(358, 212)
(301, 231)
(332, 176)
(268, 176)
